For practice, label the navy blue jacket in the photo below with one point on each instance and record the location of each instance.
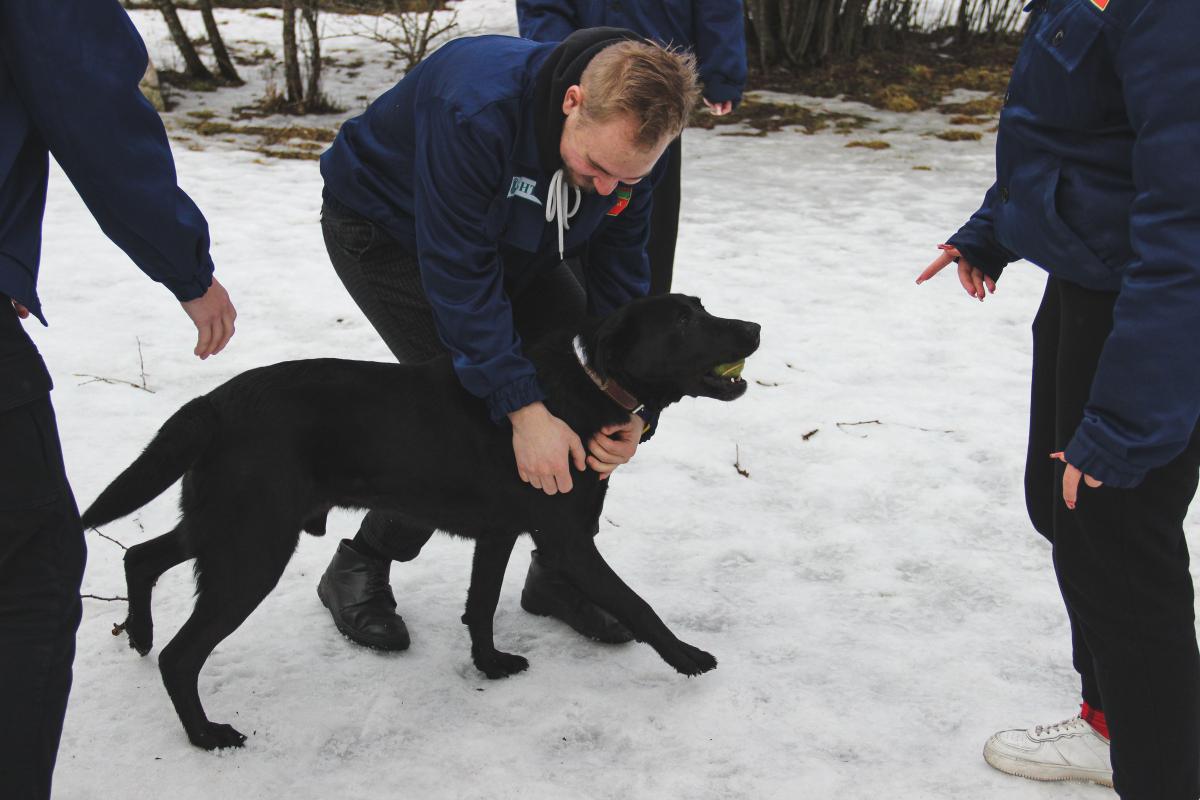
(447, 162)
(712, 29)
(69, 74)
(1098, 182)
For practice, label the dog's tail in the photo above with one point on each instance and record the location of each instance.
(176, 446)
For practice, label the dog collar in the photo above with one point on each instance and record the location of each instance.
(610, 387)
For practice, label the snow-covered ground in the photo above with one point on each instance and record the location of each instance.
(872, 589)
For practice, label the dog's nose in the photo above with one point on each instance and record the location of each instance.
(753, 329)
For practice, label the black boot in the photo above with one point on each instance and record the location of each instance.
(548, 593)
(355, 590)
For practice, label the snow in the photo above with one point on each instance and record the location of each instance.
(874, 593)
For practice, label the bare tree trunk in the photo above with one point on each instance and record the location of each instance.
(851, 28)
(291, 58)
(224, 62)
(194, 66)
(309, 13)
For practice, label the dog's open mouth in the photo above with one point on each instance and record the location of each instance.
(726, 380)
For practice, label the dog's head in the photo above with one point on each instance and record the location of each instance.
(662, 348)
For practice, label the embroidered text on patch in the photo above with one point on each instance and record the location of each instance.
(523, 188)
(623, 195)
(1100, 4)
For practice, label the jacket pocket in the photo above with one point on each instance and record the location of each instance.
(1068, 36)
(355, 236)
(1079, 263)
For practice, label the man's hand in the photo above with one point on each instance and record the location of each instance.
(972, 278)
(719, 109)
(1071, 478)
(22, 311)
(614, 445)
(213, 315)
(545, 448)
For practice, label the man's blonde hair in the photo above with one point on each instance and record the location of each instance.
(657, 87)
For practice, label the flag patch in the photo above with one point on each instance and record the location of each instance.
(1100, 4)
(623, 195)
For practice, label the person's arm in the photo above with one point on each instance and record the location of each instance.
(976, 240)
(459, 164)
(1145, 398)
(76, 65)
(720, 45)
(546, 20)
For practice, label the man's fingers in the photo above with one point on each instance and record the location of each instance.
(203, 340)
(226, 334)
(990, 284)
(578, 456)
(21, 310)
(1092, 482)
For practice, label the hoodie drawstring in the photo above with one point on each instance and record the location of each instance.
(556, 205)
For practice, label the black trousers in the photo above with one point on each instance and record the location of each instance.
(42, 555)
(1122, 564)
(664, 222)
(385, 282)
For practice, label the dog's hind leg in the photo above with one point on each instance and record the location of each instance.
(144, 563)
(233, 579)
(487, 575)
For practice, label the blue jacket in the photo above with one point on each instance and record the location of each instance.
(447, 161)
(69, 74)
(1098, 182)
(713, 29)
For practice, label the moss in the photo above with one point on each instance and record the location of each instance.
(874, 144)
(959, 136)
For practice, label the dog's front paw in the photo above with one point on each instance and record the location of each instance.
(500, 665)
(216, 735)
(689, 660)
(140, 633)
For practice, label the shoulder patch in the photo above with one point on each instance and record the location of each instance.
(523, 188)
(624, 193)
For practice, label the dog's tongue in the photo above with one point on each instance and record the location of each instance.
(730, 370)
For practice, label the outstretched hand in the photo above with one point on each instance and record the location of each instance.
(973, 279)
(213, 315)
(1071, 478)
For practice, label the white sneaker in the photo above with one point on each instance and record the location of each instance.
(1070, 750)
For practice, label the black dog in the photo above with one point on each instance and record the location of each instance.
(271, 451)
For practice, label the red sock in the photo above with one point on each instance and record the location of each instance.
(1095, 718)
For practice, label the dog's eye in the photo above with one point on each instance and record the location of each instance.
(683, 319)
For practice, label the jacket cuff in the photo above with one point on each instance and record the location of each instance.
(510, 397)
(193, 287)
(1083, 454)
(717, 90)
(979, 254)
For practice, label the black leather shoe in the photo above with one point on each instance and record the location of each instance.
(548, 593)
(355, 590)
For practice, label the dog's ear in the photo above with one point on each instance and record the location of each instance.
(611, 341)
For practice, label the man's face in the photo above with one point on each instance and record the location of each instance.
(598, 156)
